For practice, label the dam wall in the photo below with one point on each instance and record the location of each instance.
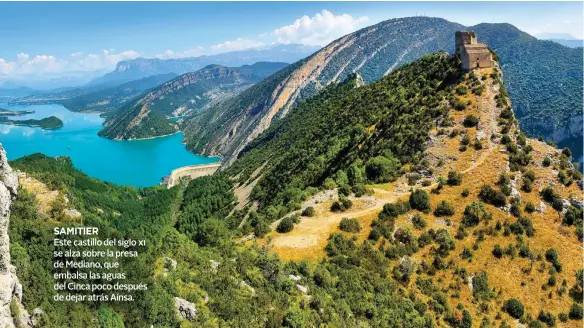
(189, 173)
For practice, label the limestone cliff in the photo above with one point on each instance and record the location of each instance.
(10, 288)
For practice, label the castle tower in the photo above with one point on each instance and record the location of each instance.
(462, 38)
(471, 53)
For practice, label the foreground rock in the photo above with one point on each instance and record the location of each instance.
(185, 309)
(10, 288)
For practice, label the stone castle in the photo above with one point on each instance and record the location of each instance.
(471, 53)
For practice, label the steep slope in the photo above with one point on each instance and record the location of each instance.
(346, 123)
(477, 216)
(376, 50)
(113, 98)
(142, 67)
(544, 80)
(185, 95)
(12, 314)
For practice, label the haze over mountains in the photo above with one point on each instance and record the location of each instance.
(562, 38)
(130, 70)
(141, 67)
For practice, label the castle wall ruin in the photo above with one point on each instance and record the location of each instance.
(471, 53)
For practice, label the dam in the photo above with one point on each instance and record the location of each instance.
(187, 173)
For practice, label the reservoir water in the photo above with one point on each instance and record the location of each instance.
(137, 163)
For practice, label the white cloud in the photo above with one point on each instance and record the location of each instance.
(39, 65)
(6, 67)
(22, 57)
(318, 30)
(237, 44)
(168, 54)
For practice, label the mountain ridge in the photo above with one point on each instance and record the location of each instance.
(184, 95)
(141, 67)
(380, 49)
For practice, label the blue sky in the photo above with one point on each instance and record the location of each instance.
(51, 38)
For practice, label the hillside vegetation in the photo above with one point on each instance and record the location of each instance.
(413, 201)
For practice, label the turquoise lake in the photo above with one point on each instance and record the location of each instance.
(137, 163)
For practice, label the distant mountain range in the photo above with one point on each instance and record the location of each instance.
(561, 38)
(48, 82)
(17, 92)
(141, 67)
(182, 96)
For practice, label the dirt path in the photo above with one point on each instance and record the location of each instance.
(309, 236)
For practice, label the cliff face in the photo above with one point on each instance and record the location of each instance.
(10, 288)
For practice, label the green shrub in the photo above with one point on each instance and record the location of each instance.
(546, 162)
(349, 225)
(480, 287)
(547, 318)
(393, 210)
(478, 145)
(474, 213)
(492, 196)
(470, 121)
(465, 140)
(420, 200)
(461, 90)
(444, 209)
(529, 207)
(576, 312)
(551, 255)
(497, 251)
(567, 152)
(381, 169)
(514, 308)
(337, 207)
(524, 251)
(465, 192)
(454, 178)
(419, 222)
(309, 211)
(286, 225)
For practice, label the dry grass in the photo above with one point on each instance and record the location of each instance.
(508, 277)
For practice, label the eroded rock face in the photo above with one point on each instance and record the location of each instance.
(10, 288)
(185, 309)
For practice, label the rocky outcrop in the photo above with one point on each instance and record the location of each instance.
(10, 288)
(185, 309)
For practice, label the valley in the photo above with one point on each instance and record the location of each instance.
(249, 165)
(135, 163)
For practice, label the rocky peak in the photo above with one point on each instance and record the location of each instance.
(10, 288)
